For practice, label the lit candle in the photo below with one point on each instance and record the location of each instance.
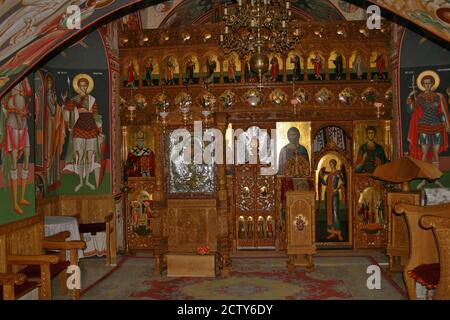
(288, 4)
(221, 38)
(226, 30)
(225, 11)
(284, 23)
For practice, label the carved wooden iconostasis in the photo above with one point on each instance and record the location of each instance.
(329, 152)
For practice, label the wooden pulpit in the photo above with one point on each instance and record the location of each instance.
(301, 229)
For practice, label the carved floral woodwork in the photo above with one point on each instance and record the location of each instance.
(255, 203)
(371, 212)
(245, 104)
(138, 214)
(192, 223)
(301, 229)
(347, 41)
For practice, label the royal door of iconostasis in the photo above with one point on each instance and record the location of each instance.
(253, 191)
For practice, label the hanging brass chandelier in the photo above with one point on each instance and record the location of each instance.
(260, 24)
(257, 28)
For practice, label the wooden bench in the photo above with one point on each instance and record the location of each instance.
(424, 258)
(441, 230)
(106, 226)
(43, 268)
(15, 285)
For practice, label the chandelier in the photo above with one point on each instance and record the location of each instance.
(259, 26)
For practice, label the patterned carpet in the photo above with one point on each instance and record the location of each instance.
(251, 279)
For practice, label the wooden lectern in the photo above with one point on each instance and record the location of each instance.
(301, 229)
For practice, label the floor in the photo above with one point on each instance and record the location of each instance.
(94, 271)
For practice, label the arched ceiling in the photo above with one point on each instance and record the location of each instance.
(31, 30)
(185, 13)
(432, 15)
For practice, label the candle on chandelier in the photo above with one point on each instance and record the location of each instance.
(226, 30)
(221, 38)
(239, 3)
(284, 23)
(288, 4)
(225, 11)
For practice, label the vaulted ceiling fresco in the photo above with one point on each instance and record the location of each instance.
(30, 30)
(432, 15)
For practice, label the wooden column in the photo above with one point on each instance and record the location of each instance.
(369, 69)
(221, 62)
(160, 240)
(284, 68)
(222, 210)
(305, 68)
(243, 63)
(200, 72)
(159, 167)
(347, 68)
(160, 75)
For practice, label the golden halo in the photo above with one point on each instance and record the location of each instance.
(432, 74)
(83, 76)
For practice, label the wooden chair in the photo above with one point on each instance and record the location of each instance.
(106, 226)
(441, 230)
(423, 262)
(15, 285)
(44, 268)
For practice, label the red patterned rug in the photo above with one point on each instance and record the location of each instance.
(251, 279)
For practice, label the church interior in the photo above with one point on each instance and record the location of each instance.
(224, 150)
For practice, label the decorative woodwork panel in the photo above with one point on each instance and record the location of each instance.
(192, 223)
(244, 194)
(24, 241)
(255, 220)
(265, 185)
(301, 227)
(141, 214)
(370, 209)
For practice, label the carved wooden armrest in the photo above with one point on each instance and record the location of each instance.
(32, 260)
(61, 236)
(436, 210)
(72, 246)
(431, 221)
(63, 245)
(10, 278)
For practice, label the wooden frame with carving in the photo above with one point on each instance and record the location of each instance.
(370, 199)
